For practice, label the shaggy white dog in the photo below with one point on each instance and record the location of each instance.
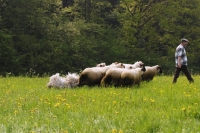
(69, 81)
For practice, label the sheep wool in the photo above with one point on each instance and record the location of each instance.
(113, 75)
(92, 76)
(132, 77)
(137, 64)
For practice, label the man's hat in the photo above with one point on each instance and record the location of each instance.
(184, 40)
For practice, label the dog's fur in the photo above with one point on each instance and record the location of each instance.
(69, 81)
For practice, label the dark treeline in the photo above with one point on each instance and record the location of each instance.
(45, 37)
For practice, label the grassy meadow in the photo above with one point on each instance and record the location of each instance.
(28, 106)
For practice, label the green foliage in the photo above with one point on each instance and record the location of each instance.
(7, 53)
(156, 27)
(45, 38)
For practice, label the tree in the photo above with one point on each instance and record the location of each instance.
(156, 26)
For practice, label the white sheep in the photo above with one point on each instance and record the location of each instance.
(132, 77)
(92, 76)
(151, 72)
(115, 63)
(137, 64)
(69, 81)
(113, 75)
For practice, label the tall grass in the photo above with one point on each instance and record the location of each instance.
(27, 105)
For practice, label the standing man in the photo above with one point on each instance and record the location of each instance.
(181, 61)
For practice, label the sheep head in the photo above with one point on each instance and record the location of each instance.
(120, 65)
(159, 69)
(143, 69)
(101, 65)
(139, 64)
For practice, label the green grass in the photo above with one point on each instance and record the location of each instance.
(27, 105)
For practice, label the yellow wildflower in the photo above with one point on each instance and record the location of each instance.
(65, 131)
(120, 131)
(184, 109)
(70, 124)
(114, 130)
(63, 99)
(99, 131)
(57, 104)
(152, 100)
(15, 112)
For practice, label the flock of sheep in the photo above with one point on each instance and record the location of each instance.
(115, 74)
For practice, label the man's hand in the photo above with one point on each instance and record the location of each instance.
(179, 62)
(179, 65)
